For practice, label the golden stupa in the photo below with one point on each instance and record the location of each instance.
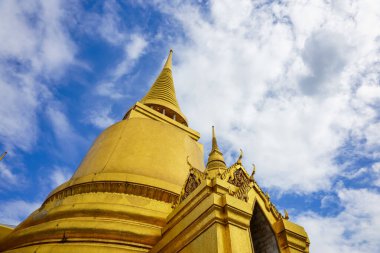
(143, 187)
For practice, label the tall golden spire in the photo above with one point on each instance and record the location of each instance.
(215, 158)
(161, 95)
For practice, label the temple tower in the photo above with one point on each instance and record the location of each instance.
(143, 187)
(123, 190)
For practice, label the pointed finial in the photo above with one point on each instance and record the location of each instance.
(240, 157)
(214, 142)
(253, 171)
(168, 63)
(3, 155)
(286, 215)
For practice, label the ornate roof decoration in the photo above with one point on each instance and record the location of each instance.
(235, 175)
(193, 180)
(238, 176)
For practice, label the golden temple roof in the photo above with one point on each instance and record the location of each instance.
(162, 96)
(215, 159)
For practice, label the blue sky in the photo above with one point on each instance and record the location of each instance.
(295, 84)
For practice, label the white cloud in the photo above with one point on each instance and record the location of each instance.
(14, 211)
(376, 171)
(133, 49)
(33, 44)
(56, 46)
(328, 201)
(7, 176)
(18, 105)
(133, 44)
(372, 134)
(282, 81)
(325, 54)
(101, 118)
(112, 29)
(352, 230)
(61, 126)
(136, 46)
(109, 90)
(67, 138)
(109, 25)
(59, 175)
(356, 173)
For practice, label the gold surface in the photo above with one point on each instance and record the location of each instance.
(4, 231)
(209, 220)
(143, 147)
(292, 238)
(215, 163)
(162, 93)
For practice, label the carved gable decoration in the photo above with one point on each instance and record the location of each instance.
(193, 181)
(236, 175)
(239, 178)
(191, 184)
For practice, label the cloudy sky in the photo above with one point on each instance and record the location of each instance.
(295, 84)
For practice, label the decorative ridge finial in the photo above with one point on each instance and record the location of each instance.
(188, 163)
(240, 157)
(253, 172)
(3, 155)
(286, 215)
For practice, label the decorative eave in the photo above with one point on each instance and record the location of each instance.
(231, 197)
(240, 184)
(236, 176)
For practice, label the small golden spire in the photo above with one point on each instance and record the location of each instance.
(214, 142)
(162, 96)
(3, 155)
(215, 158)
